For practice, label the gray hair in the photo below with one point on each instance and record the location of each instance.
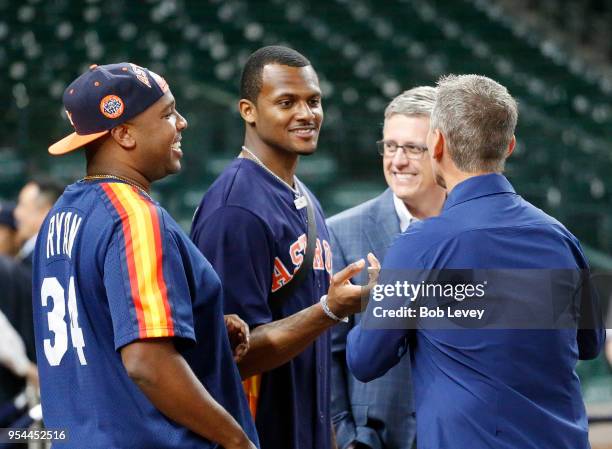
(416, 101)
(477, 117)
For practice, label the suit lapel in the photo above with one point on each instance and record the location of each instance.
(383, 224)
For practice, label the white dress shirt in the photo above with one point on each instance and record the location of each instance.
(27, 248)
(403, 214)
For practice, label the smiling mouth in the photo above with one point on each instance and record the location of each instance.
(176, 147)
(404, 176)
(304, 132)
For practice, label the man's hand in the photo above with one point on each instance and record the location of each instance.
(344, 298)
(238, 333)
(275, 343)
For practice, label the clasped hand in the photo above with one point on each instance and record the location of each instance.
(238, 333)
(343, 297)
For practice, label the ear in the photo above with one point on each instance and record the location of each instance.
(438, 145)
(123, 136)
(511, 146)
(248, 111)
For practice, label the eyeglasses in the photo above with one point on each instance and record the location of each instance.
(389, 148)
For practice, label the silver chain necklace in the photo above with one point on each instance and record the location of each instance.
(255, 159)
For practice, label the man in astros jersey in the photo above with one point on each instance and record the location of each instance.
(131, 339)
(253, 225)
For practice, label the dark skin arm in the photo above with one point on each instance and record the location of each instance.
(166, 379)
(275, 343)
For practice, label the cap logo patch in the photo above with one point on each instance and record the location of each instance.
(111, 106)
(141, 75)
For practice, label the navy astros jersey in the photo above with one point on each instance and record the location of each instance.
(251, 231)
(111, 267)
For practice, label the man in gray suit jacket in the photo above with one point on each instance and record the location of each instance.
(380, 414)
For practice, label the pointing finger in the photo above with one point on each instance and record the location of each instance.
(342, 276)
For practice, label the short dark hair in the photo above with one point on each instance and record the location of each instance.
(49, 189)
(251, 80)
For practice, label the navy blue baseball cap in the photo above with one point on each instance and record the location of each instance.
(104, 97)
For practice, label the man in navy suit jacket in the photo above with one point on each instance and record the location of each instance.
(482, 388)
(380, 414)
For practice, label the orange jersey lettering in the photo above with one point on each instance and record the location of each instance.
(280, 276)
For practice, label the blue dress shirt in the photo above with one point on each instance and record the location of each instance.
(478, 388)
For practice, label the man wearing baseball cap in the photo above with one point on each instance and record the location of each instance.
(132, 344)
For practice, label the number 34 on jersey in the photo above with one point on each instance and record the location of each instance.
(53, 296)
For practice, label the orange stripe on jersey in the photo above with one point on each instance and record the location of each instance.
(128, 257)
(251, 389)
(144, 257)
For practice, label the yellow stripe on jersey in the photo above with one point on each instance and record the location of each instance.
(145, 253)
